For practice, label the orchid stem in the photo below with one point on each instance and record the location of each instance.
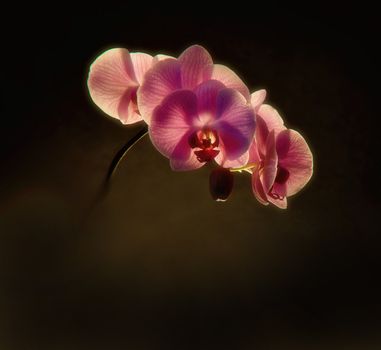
(247, 167)
(119, 156)
(122, 153)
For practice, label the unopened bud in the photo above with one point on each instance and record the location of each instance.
(221, 182)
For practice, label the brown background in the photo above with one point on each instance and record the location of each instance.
(158, 264)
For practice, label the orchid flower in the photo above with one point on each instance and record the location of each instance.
(198, 112)
(114, 79)
(192, 127)
(281, 159)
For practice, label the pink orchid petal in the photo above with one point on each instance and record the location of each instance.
(280, 203)
(171, 121)
(280, 189)
(226, 163)
(193, 62)
(162, 79)
(142, 62)
(207, 93)
(257, 188)
(233, 143)
(235, 123)
(267, 119)
(271, 117)
(161, 57)
(226, 76)
(260, 194)
(270, 164)
(257, 98)
(133, 117)
(253, 153)
(295, 156)
(111, 85)
(261, 135)
(127, 108)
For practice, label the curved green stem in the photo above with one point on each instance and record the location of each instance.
(247, 167)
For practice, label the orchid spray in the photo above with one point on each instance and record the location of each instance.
(199, 112)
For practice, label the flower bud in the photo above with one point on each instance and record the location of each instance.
(221, 182)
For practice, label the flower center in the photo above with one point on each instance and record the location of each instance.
(204, 142)
(282, 176)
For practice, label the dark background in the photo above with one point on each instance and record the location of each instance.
(158, 264)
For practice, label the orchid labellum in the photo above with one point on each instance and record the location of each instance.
(198, 112)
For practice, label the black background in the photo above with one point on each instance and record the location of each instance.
(158, 264)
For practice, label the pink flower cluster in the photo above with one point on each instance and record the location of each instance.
(198, 112)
